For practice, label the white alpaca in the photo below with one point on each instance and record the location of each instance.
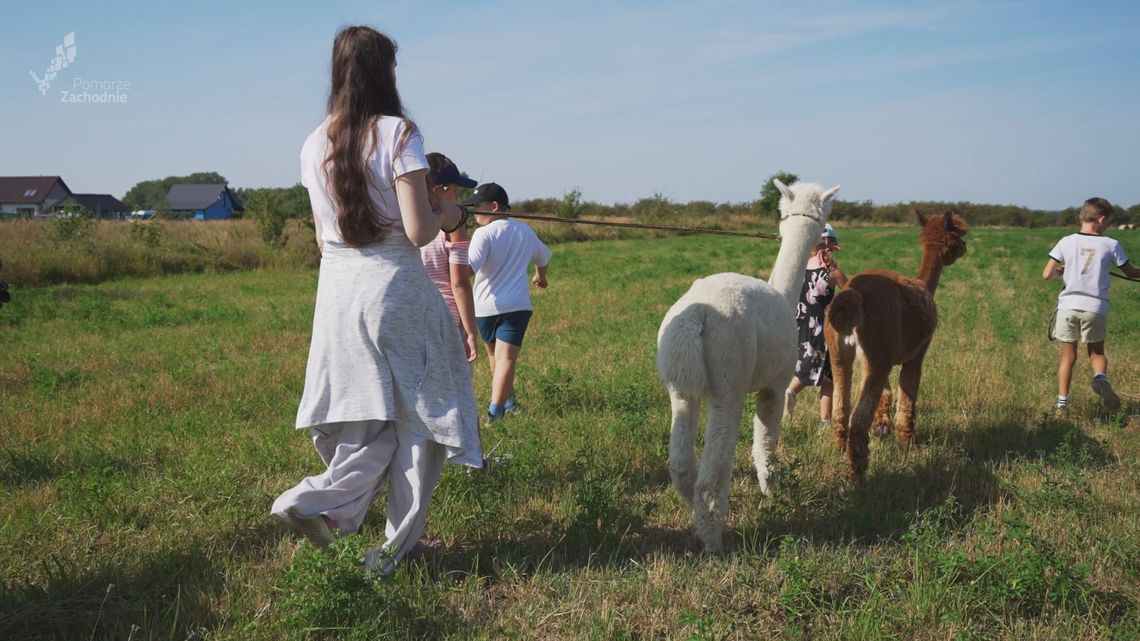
(729, 335)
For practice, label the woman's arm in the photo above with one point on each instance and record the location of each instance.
(422, 220)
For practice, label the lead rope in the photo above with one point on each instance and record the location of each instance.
(681, 230)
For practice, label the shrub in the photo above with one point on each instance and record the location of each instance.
(570, 205)
(147, 234)
(264, 207)
(74, 223)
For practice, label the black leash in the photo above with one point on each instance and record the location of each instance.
(680, 230)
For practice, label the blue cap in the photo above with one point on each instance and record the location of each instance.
(449, 175)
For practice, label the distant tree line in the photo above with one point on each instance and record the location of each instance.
(271, 206)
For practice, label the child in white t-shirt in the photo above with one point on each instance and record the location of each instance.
(1084, 259)
(500, 253)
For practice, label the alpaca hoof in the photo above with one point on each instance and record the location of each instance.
(766, 487)
(767, 480)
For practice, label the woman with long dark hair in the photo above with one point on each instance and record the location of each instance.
(388, 393)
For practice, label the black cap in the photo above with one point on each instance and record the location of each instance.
(449, 175)
(489, 192)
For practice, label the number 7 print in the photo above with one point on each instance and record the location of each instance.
(1088, 261)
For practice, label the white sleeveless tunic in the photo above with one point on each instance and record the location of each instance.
(384, 346)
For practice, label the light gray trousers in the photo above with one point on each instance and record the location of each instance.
(360, 456)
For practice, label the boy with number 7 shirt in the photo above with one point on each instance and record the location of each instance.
(1084, 260)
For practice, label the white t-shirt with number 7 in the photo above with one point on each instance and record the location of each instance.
(1087, 259)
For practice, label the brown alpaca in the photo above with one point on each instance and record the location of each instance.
(889, 319)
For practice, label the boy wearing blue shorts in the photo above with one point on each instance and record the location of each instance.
(500, 253)
(1084, 259)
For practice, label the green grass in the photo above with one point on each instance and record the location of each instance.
(147, 427)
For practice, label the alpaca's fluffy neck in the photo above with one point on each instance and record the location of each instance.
(788, 273)
(930, 271)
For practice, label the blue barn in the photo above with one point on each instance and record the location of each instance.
(202, 202)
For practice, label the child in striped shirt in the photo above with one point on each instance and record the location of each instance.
(446, 257)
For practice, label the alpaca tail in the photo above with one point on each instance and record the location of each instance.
(845, 313)
(681, 353)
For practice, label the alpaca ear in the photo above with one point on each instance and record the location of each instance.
(829, 194)
(783, 189)
(919, 217)
(949, 221)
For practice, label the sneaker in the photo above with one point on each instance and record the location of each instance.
(313, 528)
(490, 464)
(511, 406)
(789, 402)
(1102, 388)
(379, 560)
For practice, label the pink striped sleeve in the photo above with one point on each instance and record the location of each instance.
(457, 253)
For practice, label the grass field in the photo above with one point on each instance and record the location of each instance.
(145, 427)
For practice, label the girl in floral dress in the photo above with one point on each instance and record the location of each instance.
(813, 367)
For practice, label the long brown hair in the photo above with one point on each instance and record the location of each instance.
(363, 89)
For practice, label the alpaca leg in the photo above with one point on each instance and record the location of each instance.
(909, 380)
(766, 434)
(682, 444)
(710, 493)
(881, 424)
(874, 380)
(842, 360)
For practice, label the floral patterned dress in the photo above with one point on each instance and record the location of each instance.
(813, 366)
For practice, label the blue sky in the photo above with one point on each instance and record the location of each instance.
(1030, 103)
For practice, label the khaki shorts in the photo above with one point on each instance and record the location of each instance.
(1087, 327)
